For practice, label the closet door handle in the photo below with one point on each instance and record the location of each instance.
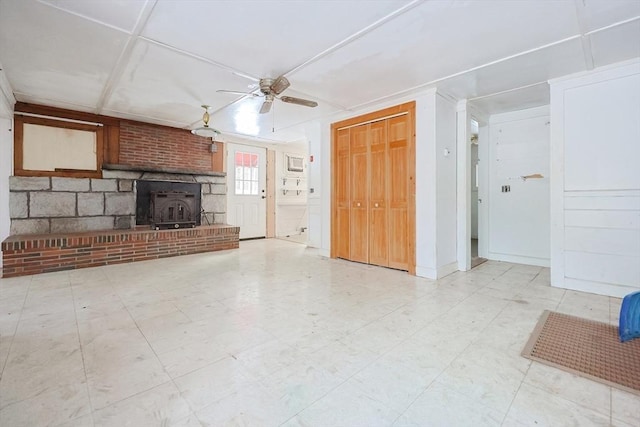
(375, 205)
(358, 204)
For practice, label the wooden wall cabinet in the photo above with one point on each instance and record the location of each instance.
(373, 198)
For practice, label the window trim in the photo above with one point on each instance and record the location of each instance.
(18, 152)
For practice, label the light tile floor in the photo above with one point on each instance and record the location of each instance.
(273, 334)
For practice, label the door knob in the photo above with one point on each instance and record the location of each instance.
(375, 205)
(358, 204)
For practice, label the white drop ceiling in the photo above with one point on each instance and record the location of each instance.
(159, 60)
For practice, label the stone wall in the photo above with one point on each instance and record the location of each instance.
(41, 205)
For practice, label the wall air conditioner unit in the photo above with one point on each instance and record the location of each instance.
(294, 163)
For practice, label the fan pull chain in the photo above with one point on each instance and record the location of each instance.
(273, 118)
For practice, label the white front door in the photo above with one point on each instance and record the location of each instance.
(246, 199)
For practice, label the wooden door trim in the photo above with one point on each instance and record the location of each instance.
(408, 108)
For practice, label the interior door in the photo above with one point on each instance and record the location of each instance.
(342, 194)
(378, 169)
(399, 134)
(246, 198)
(359, 181)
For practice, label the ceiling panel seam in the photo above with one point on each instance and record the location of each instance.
(488, 64)
(355, 36)
(584, 39)
(507, 91)
(88, 18)
(617, 24)
(30, 98)
(125, 55)
(145, 118)
(200, 58)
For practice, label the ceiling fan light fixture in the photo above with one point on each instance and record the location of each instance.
(206, 130)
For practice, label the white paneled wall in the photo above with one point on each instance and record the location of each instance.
(596, 185)
(6, 162)
(291, 191)
(519, 219)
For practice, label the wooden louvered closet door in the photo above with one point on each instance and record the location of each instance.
(373, 220)
(378, 194)
(397, 181)
(359, 171)
(342, 195)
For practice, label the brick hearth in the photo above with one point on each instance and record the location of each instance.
(33, 254)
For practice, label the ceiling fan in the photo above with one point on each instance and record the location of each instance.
(270, 89)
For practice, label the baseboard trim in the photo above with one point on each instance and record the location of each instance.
(518, 259)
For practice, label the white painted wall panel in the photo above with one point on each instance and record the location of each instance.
(612, 203)
(6, 170)
(474, 191)
(314, 177)
(291, 208)
(596, 180)
(603, 241)
(519, 219)
(6, 157)
(602, 135)
(603, 219)
(616, 269)
(446, 171)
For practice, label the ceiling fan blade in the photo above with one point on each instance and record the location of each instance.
(266, 106)
(235, 92)
(279, 85)
(299, 101)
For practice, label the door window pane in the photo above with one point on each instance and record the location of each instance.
(247, 173)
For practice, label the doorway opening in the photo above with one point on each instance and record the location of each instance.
(476, 200)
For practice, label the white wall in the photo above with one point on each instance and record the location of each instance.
(291, 208)
(314, 178)
(596, 180)
(474, 192)
(446, 194)
(483, 189)
(6, 155)
(519, 219)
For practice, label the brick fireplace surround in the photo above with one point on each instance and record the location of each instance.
(41, 253)
(61, 222)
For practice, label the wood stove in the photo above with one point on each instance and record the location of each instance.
(173, 209)
(145, 214)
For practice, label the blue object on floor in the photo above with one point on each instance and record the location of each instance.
(630, 317)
